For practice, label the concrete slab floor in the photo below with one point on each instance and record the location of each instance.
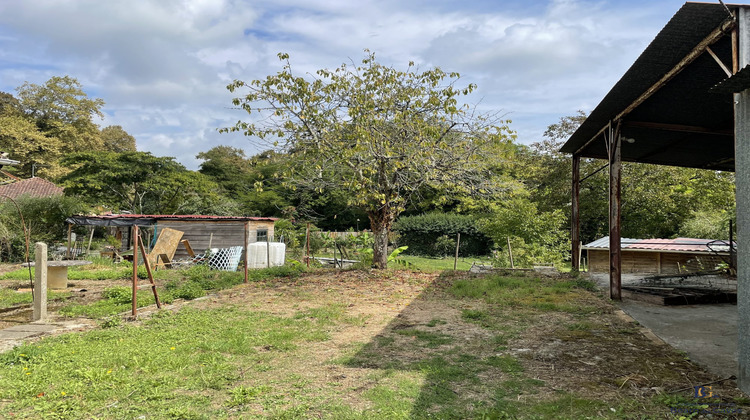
(707, 333)
(18, 334)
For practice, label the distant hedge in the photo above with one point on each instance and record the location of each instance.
(432, 234)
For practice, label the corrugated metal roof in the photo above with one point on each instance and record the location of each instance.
(668, 245)
(683, 123)
(150, 219)
(184, 217)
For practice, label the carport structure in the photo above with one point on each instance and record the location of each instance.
(684, 102)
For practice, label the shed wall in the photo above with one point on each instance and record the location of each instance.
(225, 233)
(648, 262)
(632, 262)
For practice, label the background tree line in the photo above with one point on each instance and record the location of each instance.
(509, 192)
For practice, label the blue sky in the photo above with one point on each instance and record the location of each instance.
(162, 66)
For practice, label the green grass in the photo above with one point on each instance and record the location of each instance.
(437, 264)
(233, 362)
(10, 297)
(188, 284)
(535, 293)
(174, 366)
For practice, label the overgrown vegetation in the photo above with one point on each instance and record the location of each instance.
(44, 218)
(435, 234)
(457, 347)
(188, 284)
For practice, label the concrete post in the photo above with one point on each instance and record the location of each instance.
(40, 283)
(742, 180)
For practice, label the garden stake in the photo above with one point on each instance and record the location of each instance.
(307, 242)
(510, 253)
(458, 243)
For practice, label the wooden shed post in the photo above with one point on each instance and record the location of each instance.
(575, 220)
(615, 174)
(742, 182)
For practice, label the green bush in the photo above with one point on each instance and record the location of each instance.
(421, 234)
(535, 236)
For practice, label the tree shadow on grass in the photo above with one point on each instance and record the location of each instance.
(436, 359)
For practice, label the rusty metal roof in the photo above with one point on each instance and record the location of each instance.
(151, 219)
(183, 217)
(692, 245)
(684, 123)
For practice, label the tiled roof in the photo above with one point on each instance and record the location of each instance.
(32, 187)
(669, 245)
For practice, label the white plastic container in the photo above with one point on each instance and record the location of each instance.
(257, 256)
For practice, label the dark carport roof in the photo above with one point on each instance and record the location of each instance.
(684, 122)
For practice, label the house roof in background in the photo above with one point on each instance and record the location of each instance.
(31, 187)
(692, 245)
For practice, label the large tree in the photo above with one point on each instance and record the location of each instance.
(116, 139)
(61, 109)
(378, 133)
(139, 182)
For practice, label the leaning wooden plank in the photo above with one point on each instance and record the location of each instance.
(188, 248)
(165, 261)
(166, 243)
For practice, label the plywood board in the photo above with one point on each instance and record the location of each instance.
(167, 244)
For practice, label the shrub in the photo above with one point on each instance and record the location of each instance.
(421, 234)
(535, 236)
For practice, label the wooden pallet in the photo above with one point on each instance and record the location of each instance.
(678, 295)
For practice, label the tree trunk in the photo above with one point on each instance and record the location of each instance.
(381, 221)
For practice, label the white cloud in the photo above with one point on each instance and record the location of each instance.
(162, 65)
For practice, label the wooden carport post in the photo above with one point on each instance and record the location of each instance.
(742, 182)
(614, 143)
(575, 219)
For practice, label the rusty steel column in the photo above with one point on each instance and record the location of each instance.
(615, 174)
(575, 219)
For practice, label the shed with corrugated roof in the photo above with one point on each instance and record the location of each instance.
(659, 256)
(202, 231)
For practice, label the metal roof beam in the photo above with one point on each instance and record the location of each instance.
(699, 49)
(677, 127)
(719, 62)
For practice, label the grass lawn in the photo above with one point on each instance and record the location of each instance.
(440, 264)
(362, 344)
